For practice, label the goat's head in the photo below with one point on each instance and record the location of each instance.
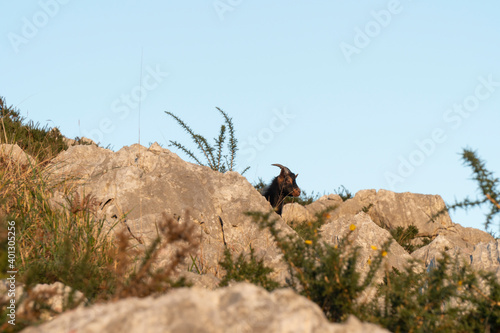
(286, 182)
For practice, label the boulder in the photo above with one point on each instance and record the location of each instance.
(142, 184)
(239, 308)
(393, 210)
(369, 237)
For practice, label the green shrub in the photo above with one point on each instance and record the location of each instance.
(246, 269)
(344, 193)
(448, 296)
(405, 236)
(488, 187)
(42, 143)
(325, 274)
(444, 298)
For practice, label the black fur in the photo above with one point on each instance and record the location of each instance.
(281, 187)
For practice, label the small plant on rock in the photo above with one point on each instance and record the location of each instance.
(214, 156)
(247, 268)
(406, 236)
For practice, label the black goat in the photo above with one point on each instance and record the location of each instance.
(282, 186)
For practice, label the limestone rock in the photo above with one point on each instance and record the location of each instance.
(486, 256)
(144, 183)
(434, 250)
(466, 238)
(483, 256)
(366, 236)
(403, 209)
(295, 213)
(16, 154)
(239, 308)
(387, 209)
(82, 141)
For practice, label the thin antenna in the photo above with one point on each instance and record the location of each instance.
(140, 98)
(140, 160)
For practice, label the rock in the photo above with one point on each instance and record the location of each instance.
(392, 210)
(466, 238)
(144, 183)
(78, 141)
(483, 256)
(486, 256)
(369, 237)
(46, 300)
(387, 209)
(16, 154)
(434, 251)
(239, 308)
(295, 213)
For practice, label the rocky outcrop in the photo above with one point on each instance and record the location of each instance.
(370, 210)
(239, 308)
(368, 237)
(145, 183)
(391, 210)
(386, 208)
(136, 186)
(486, 256)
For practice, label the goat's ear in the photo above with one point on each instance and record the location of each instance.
(283, 173)
(281, 179)
(296, 175)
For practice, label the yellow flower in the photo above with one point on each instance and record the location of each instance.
(308, 242)
(384, 253)
(352, 227)
(369, 261)
(374, 247)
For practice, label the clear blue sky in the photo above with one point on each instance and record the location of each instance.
(365, 94)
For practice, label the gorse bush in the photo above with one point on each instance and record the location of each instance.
(249, 269)
(214, 155)
(323, 273)
(488, 187)
(446, 297)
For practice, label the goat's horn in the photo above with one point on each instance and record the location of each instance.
(282, 167)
